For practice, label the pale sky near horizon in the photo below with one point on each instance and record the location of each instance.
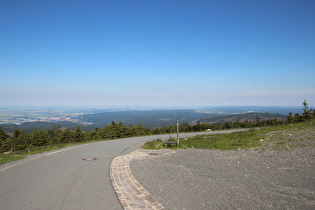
(157, 52)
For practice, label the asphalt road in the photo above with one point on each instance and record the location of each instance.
(63, 180)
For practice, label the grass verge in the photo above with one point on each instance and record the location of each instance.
(6, 158)
(267, 137)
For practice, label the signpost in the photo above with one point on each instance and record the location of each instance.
(177, 132)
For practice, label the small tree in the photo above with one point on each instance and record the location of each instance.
(78, 135)
(312, 113)
(39, 138)
(3, 139)
(306, 111)
(20, 139)
(290, 118)
(228, 124)
(66, 136)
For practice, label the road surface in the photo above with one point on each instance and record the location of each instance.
(62, 179)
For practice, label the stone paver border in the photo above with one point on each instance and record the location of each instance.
(129, 192)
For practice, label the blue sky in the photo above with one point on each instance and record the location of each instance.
(157, 52)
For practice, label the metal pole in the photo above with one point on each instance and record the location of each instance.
(177, 133)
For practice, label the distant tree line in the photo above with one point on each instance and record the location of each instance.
(21, 140)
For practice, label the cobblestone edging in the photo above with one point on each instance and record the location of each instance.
(129, 192)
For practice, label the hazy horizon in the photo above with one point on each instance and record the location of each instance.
(157, 53)
(74, 114)
(135, 106)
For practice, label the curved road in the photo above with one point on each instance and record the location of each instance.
(61, 179)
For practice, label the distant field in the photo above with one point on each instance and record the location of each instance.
(28, 118)
(18, 115)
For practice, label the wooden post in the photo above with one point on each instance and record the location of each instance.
(177, 132)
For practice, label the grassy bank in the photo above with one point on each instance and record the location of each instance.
(5, 158)
(274, 137)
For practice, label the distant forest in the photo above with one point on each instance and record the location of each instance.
(21, 140)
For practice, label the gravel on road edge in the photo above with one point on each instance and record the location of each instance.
(211, 179)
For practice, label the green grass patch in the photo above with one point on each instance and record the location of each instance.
(155, 144)
(9, 158)
(41, 150)
(233, 141)
(6, 158)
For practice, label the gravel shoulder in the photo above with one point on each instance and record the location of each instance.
(273, 176)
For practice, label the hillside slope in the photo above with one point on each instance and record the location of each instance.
(253, 116)
(30, 126)
(150, 119)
